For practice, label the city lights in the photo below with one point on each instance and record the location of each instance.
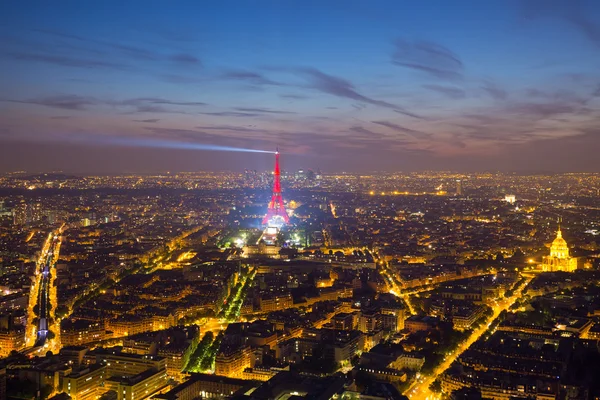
(428, 231)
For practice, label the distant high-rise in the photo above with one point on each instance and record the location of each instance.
(25, 214)
(20, 214)
(459, 190)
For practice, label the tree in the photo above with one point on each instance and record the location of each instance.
(61, 311)
(518, 256)
(45, 391)
(436, 386)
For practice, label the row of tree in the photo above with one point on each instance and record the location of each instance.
(202, 359)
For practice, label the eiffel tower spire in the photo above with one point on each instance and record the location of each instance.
(276, 208)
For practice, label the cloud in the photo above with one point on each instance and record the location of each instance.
(494, 91)
(363, 132)
(248, 76)
(571, 11)
(552, 115)
(60, 117)
(563, 154)
(262, 110)
(176, 78)
(457, 143)
(293, 96)
(428, 57)
(343, 88)
(65, 102)
(65, 61)
(149, 108)
(130, 51)
(410, 114)
(149, 121)
(156, 105)
(541, 111)
(399, 128)
(533, 92)
(160, 100)
(230, 114)
(140, 104)
(451, 92)
(560, 96)
(184, 58)
(227, 128)
(180, 35)
(338, 87)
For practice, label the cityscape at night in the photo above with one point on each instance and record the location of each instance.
(273, 200)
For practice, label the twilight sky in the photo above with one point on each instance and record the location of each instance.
(348, 85)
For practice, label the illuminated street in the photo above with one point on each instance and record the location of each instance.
(43, 300)
(396, 290)
(420, 388)
(213, 325)
(54, 343)
(36, 293)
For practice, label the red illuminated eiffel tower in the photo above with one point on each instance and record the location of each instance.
(276, 209)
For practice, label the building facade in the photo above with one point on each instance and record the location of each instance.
(559, 258)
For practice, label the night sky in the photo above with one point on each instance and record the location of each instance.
(96, 86)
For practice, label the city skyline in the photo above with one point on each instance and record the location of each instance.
(300, 199)
(423, 286)
(500, 85)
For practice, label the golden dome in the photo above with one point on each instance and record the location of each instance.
(559, 247)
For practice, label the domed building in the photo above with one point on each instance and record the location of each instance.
(559, 258)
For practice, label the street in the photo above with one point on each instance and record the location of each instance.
(42, 302)
(420, 388)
